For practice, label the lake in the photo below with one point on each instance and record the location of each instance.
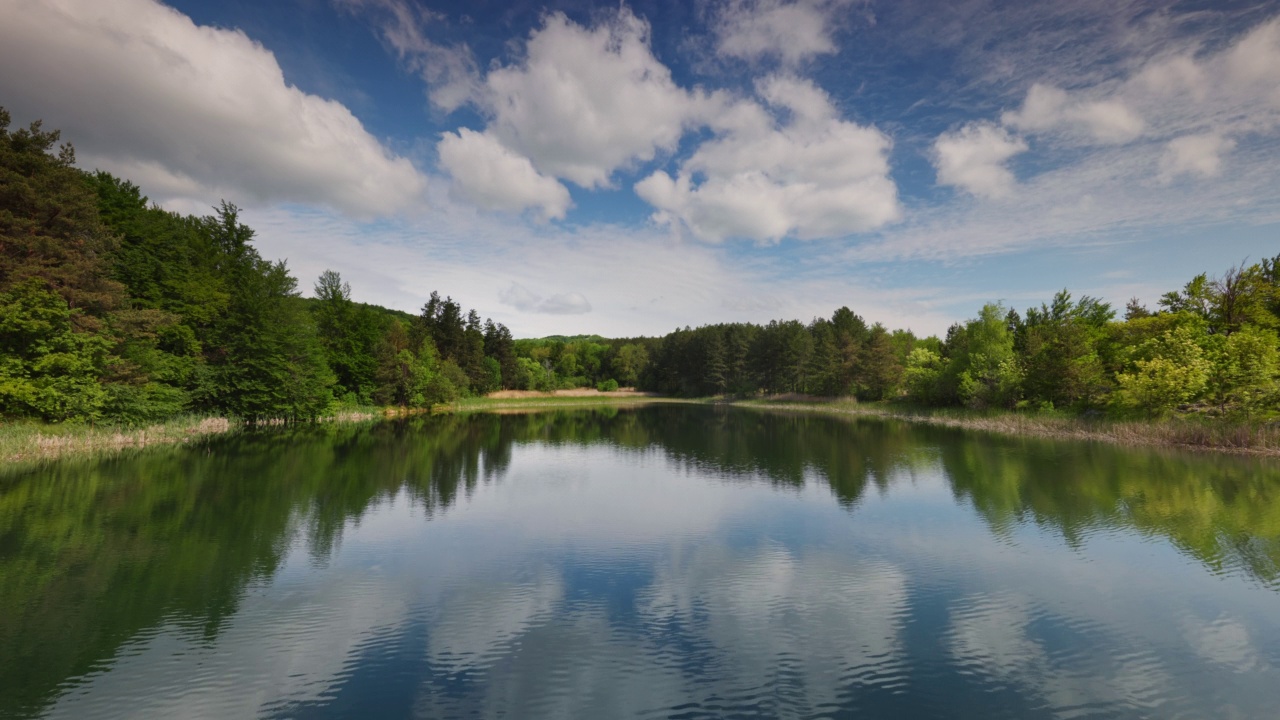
(668, 561)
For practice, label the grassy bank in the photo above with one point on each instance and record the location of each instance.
(1198, 433)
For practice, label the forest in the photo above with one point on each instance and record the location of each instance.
(115, 310)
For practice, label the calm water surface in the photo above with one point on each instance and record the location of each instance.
(666, 562)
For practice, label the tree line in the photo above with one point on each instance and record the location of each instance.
(1208, 348)
(115, 310)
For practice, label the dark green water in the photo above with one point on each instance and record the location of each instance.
(668, 562)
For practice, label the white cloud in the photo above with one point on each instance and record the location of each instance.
(1199, 155)
(789, 31)
(1107, 197)
(190, 111)
(1180, 91)
(1048, 108)
(493, 177)
(1197, 107)
(1252, 65)
(524, 300)
(584, 102)
(973, 158)
(812, 176)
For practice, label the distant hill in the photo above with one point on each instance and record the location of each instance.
(570, 338)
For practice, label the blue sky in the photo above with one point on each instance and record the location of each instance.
(628, 168)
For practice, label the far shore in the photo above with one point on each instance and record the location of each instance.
(1208, 434)
(30, 442)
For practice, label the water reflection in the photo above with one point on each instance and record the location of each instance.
(667, 562)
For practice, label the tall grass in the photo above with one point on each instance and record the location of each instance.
(26, 441)
(32, 441)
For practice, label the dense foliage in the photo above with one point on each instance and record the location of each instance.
(114, 310)
(1210, 348)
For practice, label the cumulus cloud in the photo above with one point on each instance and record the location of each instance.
(1049, 108)
(973, 158)
(491, 176)
(584, 102)
(812, 175)
(580, 104)
(1198, 155)
(190, 111)
(524, 300)
(788, 31)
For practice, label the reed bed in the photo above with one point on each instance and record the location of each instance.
(28, 441)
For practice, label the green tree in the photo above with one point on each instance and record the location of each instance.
(49, 224)
(349, 334)
(923, 376)
(47, 369)
(1166, 372)
(850, 336)
(629, 363)
(266, 361)
(1058, 344)
(499, 345)
(1243, 370)
(881, 373)
(984, 367)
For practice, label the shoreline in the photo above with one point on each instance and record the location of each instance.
(1203, 436)
(30, 442)
(22, 443)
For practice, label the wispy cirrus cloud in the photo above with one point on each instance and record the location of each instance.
(449, 69)
(1186, 136)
